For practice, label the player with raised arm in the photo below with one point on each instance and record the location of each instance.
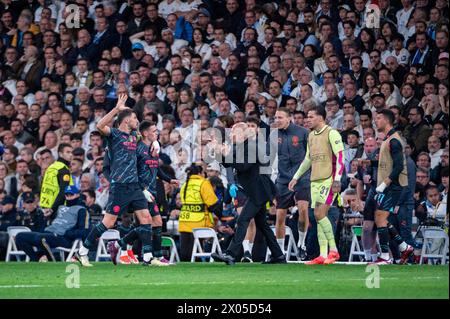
(148, 171)
(125, 191)
(325, 157)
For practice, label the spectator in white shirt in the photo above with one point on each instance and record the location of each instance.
(167, 7)
(435, 151)
(403, 16)
(335, 116)
(398, 51)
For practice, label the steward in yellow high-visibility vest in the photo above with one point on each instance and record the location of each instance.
(198, 203)
(57, 177)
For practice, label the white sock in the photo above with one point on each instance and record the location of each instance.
(367, 255)
(147, 257)
(403, 246)
(83, 250)
(281, 244)
(246, 245)
(301, 239)
(374, 257)
(123, 253)
(116, 244)
(129, 247)
(385, 256)
(250, 246)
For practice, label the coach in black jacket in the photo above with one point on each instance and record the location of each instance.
(258, 188)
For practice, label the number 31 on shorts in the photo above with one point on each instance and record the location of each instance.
(323, 190)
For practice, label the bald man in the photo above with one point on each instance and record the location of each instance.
(369, 173)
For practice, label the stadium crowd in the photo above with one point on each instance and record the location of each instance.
(189, 66)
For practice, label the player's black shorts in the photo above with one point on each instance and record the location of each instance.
(370, 206)
(387, 200)
(123, 197)
(153, 209)
(286, 198)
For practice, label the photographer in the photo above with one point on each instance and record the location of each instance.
(431, 213)
(353, 208)
(430, 208)
(352, 216)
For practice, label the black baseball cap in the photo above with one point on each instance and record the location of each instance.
(377, 94)
(8, 200)
(28, 197)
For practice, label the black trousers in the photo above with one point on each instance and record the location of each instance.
(186, 245)
(258, 212)
(27, 240)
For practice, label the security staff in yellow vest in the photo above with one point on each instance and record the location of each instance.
(391, 179)
(198, 203)
(57, 177)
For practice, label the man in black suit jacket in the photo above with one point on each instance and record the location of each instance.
(258, 188)
(102, 40)
(408, 100)
(358, 71)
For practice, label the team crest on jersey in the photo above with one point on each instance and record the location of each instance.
(66, 178)
(280, 140)
(295, 140)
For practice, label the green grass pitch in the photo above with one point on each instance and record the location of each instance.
(214, 280)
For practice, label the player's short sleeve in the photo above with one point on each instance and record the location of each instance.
(335, 139)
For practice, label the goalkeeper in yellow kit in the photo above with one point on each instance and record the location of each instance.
(325, 157)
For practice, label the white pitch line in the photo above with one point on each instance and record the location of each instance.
(24, 286)
(212, 282)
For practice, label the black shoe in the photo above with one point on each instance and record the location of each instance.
(229, 260)
(278, 260)
(247, 258)
(302, 253)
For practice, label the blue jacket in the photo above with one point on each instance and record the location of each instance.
(292, 143)
(183, 30)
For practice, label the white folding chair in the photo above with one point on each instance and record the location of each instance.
(291, 247)
(169, 242)
(355, 248)
(204, 233)
(62, 250)
(435, 245)
(11, 249)
(102, 252)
